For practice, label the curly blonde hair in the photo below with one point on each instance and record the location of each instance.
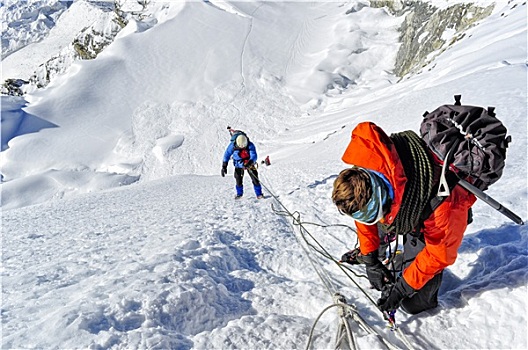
(352, 190)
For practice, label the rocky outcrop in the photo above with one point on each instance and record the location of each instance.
(91, 41)
(13, 87)
(427, 31)
(86, 45)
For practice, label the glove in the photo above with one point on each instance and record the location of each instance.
(393, 294)
(224, 169)
(377, 273)
(351, 257)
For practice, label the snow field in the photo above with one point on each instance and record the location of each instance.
(172, 261)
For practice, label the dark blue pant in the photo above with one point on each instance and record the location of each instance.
(239, 177)
(427, 297)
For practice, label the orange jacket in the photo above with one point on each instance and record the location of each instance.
(371, 148)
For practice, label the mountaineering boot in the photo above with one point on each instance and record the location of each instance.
(258, 191)
(240, 192)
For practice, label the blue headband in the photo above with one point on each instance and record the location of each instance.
(372, 212)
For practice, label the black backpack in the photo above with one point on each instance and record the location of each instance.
(470, 139)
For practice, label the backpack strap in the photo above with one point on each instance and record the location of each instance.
(235, 133)
(451, 181)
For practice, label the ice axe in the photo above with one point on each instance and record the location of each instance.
(492, 202)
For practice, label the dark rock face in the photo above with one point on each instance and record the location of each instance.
(422, 31)
(13, 87)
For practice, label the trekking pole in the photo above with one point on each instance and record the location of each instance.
(492, 202)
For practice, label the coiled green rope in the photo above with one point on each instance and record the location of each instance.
(418, 167)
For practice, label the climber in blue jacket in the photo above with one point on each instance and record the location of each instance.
(244, 154)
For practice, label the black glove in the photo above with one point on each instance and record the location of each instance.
(393, 294)
(224, 169)
(377, 273)
(351, 257)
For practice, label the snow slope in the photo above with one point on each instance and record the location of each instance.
(154, 86)
(171, 261)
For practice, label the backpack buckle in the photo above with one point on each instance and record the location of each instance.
(443, 186)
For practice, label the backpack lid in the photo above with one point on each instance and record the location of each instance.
(469, 138)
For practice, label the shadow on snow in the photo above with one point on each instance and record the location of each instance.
(502, 263)
(16, 122)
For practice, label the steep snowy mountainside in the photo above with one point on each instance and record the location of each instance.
(175, 262)
(428, 28)
(145, 107)
(156, 101)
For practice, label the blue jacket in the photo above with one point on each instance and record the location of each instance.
(235, 153)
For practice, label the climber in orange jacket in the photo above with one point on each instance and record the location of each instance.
(371, 192)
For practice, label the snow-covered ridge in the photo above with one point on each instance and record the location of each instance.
(20, 75)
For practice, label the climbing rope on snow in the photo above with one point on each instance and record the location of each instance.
(296, 221)
(304, 233)
(390, 318)
(349, 311)
(317, 247)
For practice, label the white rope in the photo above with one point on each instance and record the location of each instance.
(325, 278)
(352, 312)
(323, 275)
(310, 335)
